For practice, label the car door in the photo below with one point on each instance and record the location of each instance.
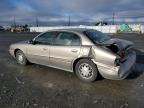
(65, 49)
(38, 50)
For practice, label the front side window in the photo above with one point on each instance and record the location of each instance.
(67, 39)
(46, 38)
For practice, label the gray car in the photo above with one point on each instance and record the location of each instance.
(86, 52)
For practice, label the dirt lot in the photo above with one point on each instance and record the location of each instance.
(36, 86)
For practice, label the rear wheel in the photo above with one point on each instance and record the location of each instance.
(86, 70)
(21, 59)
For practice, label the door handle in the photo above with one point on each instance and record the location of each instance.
(74, 50)
(44, 49)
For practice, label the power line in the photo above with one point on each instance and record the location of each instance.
(141, 16)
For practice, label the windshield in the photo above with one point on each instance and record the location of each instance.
(96, 36)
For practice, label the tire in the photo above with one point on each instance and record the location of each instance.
(86, 70)
(21, 59)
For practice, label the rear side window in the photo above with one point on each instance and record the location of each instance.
(46, 38)
(96, 36)
(67, 39)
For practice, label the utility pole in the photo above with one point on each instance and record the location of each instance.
(113, 18)
(14, 22)
(69, 23)
(37, 23)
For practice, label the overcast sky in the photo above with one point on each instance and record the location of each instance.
(50, 12)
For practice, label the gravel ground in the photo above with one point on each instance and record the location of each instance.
(36, 86)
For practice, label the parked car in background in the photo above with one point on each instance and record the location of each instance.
(2, 28)
(19, 28)
(101, 23)
(86, 52)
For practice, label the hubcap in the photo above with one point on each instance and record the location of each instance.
(85, 70)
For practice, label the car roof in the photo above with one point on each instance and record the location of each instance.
(81, 30)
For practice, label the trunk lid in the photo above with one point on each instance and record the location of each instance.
(120, 43)
(119, 46)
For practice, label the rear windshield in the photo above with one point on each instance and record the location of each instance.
(96, 36)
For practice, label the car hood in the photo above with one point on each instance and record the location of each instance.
(15, 45)
(23, 42)
(122, 44)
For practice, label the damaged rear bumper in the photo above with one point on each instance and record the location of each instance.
(118, 72)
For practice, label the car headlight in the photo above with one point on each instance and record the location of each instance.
(11, 48)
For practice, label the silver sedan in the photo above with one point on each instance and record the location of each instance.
(86, 52)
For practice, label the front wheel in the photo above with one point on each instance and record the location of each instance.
(86, 70)
(21, 59)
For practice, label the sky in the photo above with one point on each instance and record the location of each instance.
(57, 12)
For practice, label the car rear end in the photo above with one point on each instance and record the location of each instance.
(114, 67)
(115, 58)
(126, 62)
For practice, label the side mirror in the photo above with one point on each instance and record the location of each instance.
(32, 42)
